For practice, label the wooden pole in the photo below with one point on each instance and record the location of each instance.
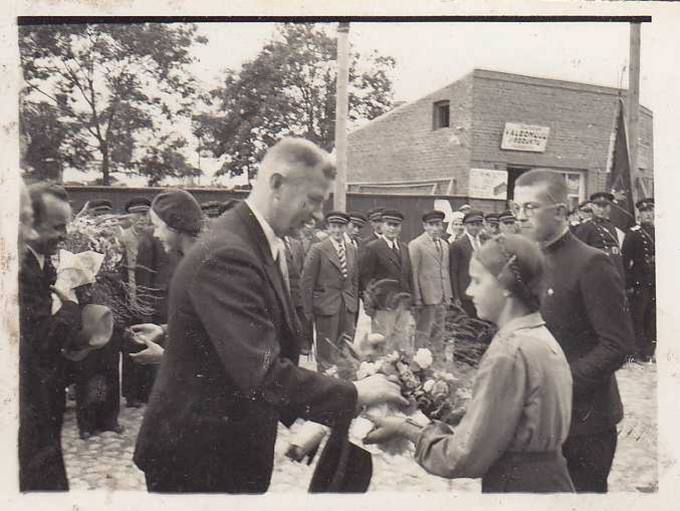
(341, 111)
(634, 108)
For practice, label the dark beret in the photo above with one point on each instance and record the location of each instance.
(179, 210)
(434, 215)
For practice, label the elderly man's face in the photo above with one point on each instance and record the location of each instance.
(51, 229)
(26, 231)
(299, 200)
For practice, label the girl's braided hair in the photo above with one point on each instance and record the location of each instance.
(517, 263)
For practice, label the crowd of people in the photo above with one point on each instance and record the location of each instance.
(241, 289)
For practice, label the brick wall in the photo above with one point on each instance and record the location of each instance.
(402, 145)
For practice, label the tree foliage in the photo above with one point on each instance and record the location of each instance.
(112, 92)
(289, 89)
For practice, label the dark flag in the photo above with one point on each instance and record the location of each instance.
(619, 179)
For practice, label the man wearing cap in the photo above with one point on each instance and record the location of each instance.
(330, 281)
(98, 207)
(375, 217)
(229, 373)
(639, 262)
(43, 336)
(459, 260)
(491, 227)
(507, 223)
(585, 211)
(600, 232)
(429, 255)
(387, 257)
(357, 221)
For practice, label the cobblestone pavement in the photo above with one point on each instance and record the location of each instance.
(105, 461)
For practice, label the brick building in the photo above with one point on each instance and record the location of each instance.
(474, 137)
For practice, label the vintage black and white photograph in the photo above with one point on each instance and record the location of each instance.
(337, 255)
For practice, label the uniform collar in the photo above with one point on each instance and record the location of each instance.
(531, 320)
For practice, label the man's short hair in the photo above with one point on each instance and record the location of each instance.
(38, 191)
(553, 183)
(292, 152)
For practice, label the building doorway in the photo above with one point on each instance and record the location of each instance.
(513, 174)
(575, 179)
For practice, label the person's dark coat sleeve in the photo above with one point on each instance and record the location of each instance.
(628, 256)
(48, 333)
(228, 294)
(366, 268)
(310, 274)
(606, 305)
(454, 268)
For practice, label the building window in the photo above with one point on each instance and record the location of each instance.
(440, 116)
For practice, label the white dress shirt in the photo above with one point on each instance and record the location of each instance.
(276, 244)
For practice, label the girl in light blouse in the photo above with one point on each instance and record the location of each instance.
(512, 433)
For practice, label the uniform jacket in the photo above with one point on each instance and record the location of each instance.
(41, 376)
(459, 267)
(380, 262)
(229, 372)
(431, 275)
(601, 234)
(324, 290)
(639, 256)
(584, 306)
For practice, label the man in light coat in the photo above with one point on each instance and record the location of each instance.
(429, 255)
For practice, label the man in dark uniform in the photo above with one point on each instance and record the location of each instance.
(387, 257)
(600, 232)
(375, 217)
(357, 221)
(584, 306)
(329, 285)
(42, 396)
(639, 254)
(459, 260)
(585, 211)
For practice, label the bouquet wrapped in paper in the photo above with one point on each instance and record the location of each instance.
(75, 270)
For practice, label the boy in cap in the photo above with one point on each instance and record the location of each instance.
(357, 221)
(639, 262)
(490, 225)
(459, 260)
(507, 223)
(600, 232)
(375, 217)
(329, 286)
(429, 255)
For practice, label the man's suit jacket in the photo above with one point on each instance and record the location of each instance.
(324, 290)
(431, 275)
(584, 306)
(380, 262)
(229, 372)
(41, 377)
(295, 259)
(459, 267)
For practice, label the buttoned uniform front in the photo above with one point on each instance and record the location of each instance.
(380, 261)
(601, 234)
(459, 271)
(431, 287)
(584, 306)
(229, 372)
(328, 296)
(639, 261)
(517, 419)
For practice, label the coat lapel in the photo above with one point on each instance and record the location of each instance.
(329, 249)
(391, 256)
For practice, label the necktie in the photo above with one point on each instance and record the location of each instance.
(343, 260)
(282, 263)
(395, 249)
(439, 247)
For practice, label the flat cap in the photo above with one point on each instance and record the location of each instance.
(474, 215)
(491, 218)
(100, 205)
(358, 218)
(600, 197)
(507, 216)
(337, 217)
(375, 214)
(392, 215)
(645, 204)
(137, 205)
(434, 216)
(179, 210)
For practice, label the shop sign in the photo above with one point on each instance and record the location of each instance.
(524, 137)
(488, 184)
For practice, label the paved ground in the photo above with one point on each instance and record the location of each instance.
(105, 461)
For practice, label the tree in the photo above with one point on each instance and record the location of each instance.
(289, 89)
(114, 91)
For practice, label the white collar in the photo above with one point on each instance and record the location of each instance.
(336, 244)
(39, 257)
(391, 243)
(273, 240)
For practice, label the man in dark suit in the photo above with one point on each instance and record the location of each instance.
(295, 258)
(429, 255)
(600, 232)
(42, 398)
(387, 257)
(639, 261)
(459, 260)
(375, 217)
(584, 306)
(229, 372)
(330, 281)
(357, 221)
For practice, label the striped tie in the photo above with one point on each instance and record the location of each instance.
(343, 260)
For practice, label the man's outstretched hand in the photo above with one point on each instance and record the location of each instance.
(377, 389)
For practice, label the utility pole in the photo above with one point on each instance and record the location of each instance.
(634, 109)
(341, 111)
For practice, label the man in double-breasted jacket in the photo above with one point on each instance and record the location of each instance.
(459, 260)
(329, 285)
(429, 255)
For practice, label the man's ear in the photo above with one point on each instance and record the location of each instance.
(275, 181)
